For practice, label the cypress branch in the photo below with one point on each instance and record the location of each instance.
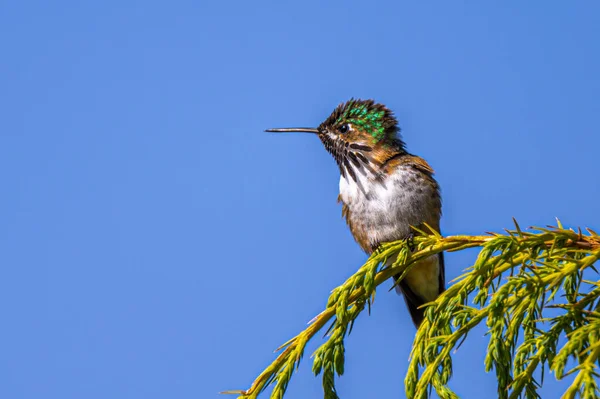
(516, 277)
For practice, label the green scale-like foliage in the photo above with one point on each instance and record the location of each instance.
(509, 288)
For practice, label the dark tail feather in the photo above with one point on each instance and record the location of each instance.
(412, 303)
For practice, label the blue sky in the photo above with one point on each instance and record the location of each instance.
(156, 243)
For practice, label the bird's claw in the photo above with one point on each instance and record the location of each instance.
(410, 241)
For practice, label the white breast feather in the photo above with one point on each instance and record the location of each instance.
(386, 211)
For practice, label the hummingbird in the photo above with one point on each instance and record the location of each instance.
(384, 190)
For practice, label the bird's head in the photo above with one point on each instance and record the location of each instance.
(357, 131)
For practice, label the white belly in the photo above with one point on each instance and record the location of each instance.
(387, 210)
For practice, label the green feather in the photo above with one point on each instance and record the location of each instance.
(373, 118)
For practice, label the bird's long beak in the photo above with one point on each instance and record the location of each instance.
(294, 130)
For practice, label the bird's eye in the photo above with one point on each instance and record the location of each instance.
(344, 128)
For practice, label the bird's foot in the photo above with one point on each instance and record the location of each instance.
(377, 249)
(410, 241)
